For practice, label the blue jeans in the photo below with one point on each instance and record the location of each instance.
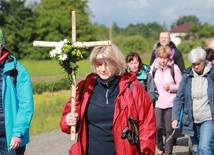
(5, 151)
(203, 138)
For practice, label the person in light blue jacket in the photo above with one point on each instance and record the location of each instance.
(195, 103)
(16, 103)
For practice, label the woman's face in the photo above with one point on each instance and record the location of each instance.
(199, 67)
(163, 61)
(104, 71)
(133, 65)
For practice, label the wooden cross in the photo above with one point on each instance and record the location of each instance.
(77, 45)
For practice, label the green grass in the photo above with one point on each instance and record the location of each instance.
(52, 68)
(48, 109)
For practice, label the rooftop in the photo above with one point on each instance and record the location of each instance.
(181, 29)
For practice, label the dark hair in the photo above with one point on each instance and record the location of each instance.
(210, 54)
(133, 55)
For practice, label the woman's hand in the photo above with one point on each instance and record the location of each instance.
(71, 119)
(166, 87)
(15, 143)
(175, 124)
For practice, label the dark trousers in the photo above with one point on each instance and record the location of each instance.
(4, 150)
(163, 121)
(20, 150)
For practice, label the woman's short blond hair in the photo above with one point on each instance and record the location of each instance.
(164, 51)
(112, 56)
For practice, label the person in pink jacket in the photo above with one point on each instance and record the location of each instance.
(105, 100)
(167, 77)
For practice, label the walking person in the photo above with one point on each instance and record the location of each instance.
(210, 55)
(195, 100)
(135, 65)
(105, 100)
(165, 40)
(167, 85)
(16, 103)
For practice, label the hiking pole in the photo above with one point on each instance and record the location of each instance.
(179, 125)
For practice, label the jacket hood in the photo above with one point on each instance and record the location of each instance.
(10, 63)
(156, 63)
(126, 80)
(146, 68)
(208, 68)
(142, 75)
(4, 56)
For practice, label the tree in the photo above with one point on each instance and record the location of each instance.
(101, 32)
(154, 29)
(53, 22)
(184, 19)
(115, 29)
(164, 26)
(18, 22)
(132, 44)
(200, 31)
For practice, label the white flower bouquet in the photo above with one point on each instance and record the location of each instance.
(67, 55)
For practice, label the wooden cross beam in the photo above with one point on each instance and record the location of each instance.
(74, 42)
(77, 45)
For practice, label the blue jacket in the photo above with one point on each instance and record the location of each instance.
(17, 102)
(183, 100)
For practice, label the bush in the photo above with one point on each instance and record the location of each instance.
(53, 86)
(187, 46)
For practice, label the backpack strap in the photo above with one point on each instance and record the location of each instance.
(172, 71)
(153, 72)
(13, 74)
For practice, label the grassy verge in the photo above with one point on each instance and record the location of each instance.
(52, 68)
(48, 111)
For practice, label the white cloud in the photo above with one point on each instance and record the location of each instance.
(137, 4)
(125, 12)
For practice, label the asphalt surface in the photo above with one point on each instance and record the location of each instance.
(58, 143)
(53, 143)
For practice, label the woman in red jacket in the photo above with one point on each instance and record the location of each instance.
(104, 102)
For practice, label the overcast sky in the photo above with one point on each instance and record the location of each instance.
(125, 12)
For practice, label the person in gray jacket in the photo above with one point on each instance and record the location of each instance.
(135, 65)
(195, 103)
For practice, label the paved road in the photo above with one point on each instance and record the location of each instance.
(58, 143)
(53, 143)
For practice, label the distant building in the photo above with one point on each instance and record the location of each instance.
(179, 31)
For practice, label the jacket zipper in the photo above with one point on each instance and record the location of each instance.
(107, 93)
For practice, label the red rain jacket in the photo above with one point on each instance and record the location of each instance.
(130, 102)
